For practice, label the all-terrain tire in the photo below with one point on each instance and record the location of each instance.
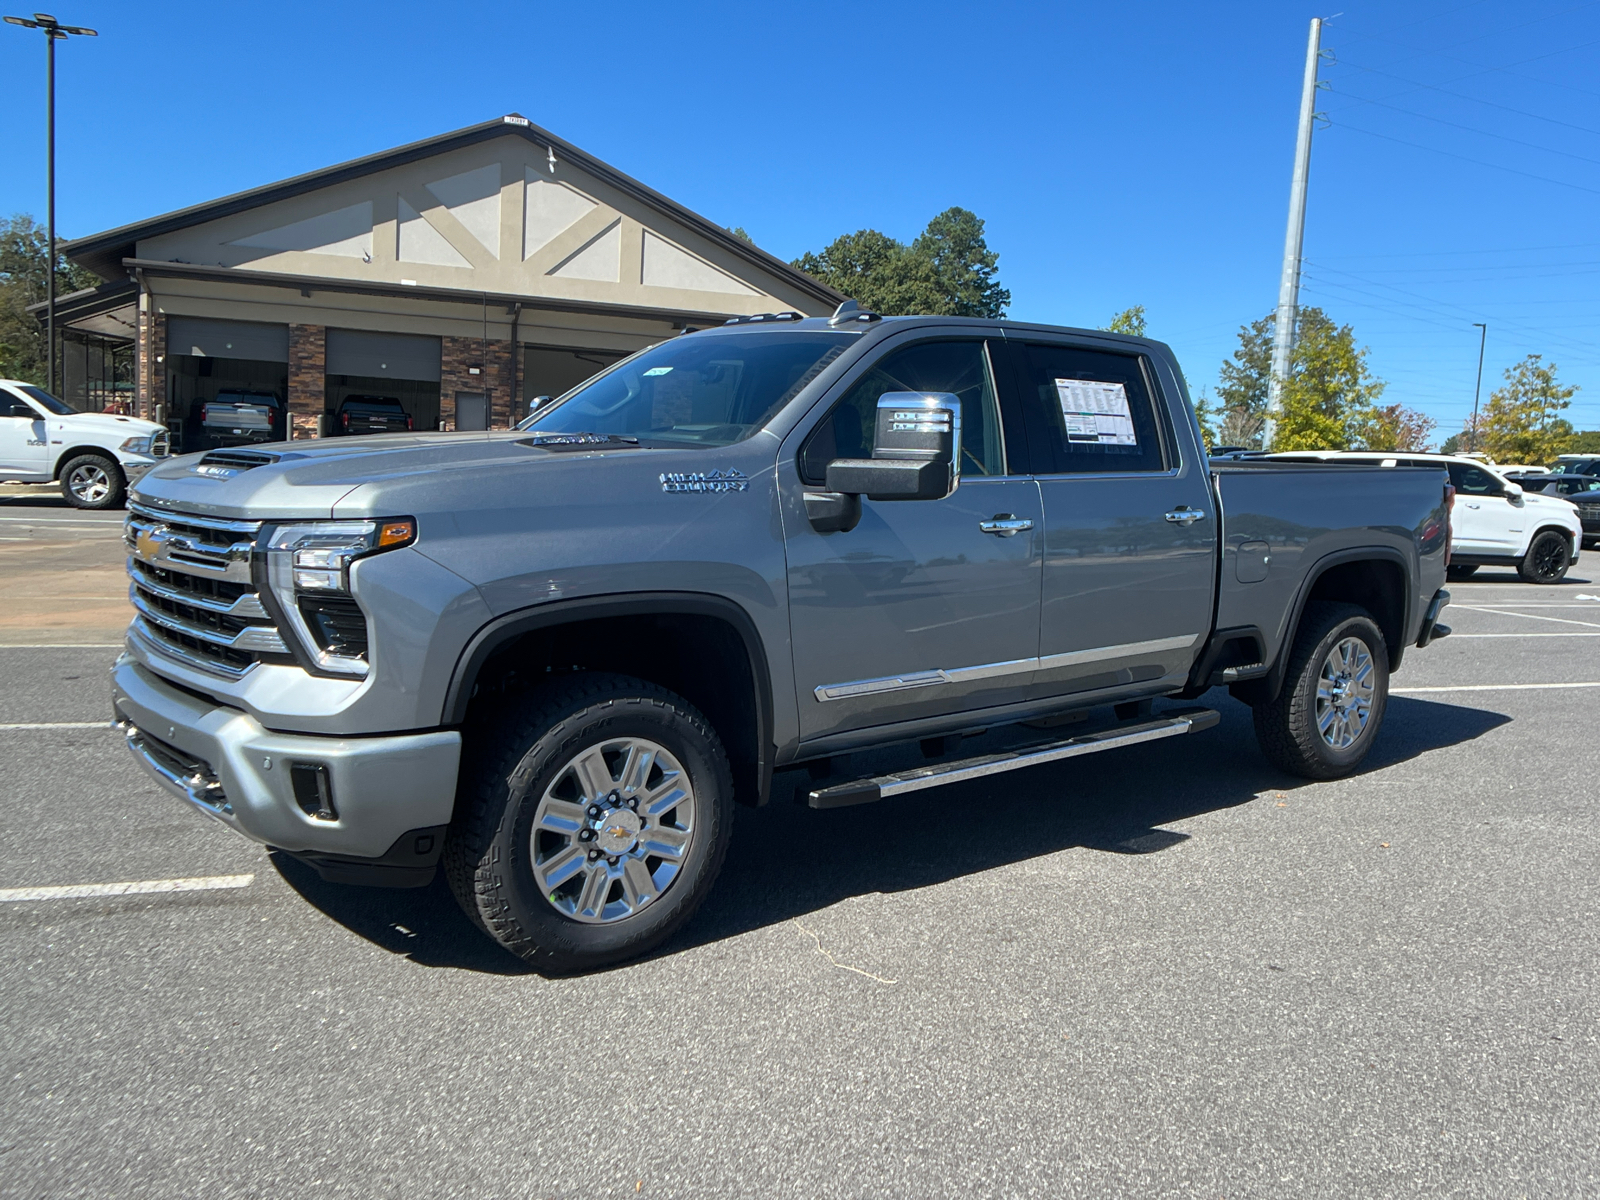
(93, 481)
(490, 849)
(1287, 727)
(1548, 558)
(1464, 571)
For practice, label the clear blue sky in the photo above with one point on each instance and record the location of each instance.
(1120, 153)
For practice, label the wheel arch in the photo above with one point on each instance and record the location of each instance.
(68, 455)
(704, 647)
(1357, 576)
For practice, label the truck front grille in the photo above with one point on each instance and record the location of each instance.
(191, 584)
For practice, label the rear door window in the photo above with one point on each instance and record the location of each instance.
(1473, 481)
(1087, 411)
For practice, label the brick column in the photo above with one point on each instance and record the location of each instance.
(496, 366)
(150, 352)
(308, 385)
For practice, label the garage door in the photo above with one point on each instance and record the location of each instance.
(204, 337)
(383, 355)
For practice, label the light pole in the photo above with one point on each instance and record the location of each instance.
(54, 31)
(1478, 389)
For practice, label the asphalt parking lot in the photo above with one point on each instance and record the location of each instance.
(1170, 971)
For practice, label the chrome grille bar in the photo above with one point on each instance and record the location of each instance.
(260, 639)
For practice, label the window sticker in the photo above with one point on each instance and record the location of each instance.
(658, 371)
(1096, 413)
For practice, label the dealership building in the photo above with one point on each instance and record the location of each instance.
(464, 276)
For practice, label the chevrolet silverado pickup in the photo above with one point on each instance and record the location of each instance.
(551, 659)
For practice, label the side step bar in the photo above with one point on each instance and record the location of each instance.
(880, 787)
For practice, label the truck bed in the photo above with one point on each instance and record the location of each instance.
(1282, 522)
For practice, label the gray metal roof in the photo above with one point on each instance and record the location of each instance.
(103, 253)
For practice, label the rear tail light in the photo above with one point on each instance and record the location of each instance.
(408, 421)
(345, 418)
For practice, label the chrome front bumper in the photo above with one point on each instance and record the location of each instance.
(226, 765)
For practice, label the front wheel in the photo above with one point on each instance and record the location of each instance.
(593, 824)
(1547, 560)
(93, 481)
(1325, 719)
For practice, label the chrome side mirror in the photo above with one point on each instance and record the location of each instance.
(915, 451)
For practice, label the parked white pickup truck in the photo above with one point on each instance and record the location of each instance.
(94, 455)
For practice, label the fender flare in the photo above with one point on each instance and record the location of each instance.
(1338, 558)
(506, 628)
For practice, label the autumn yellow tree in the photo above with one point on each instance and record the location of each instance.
(1329, 399)
(1521, 424)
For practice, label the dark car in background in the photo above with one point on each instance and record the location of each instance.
(1582, 490)
(240, 418)
(370, 414)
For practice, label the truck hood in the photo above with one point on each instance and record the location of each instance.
(304, 480)
(105, 425)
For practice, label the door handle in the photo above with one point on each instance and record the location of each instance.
(1185, 516)
(1005, 525)
(1474, 506)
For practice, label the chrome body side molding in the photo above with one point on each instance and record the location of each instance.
(1018, 666)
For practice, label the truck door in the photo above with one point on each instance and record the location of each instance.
(24, 451)
(926, 607)
(1484, 519)
(1130, 526)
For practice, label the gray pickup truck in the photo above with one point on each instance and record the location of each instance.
(553, 658)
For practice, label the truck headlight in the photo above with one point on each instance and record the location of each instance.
(138, 445)
(308, 571)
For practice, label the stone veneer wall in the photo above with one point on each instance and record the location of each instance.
(497, 376)
(308, 369)
(150, 355)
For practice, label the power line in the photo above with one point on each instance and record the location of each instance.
(1464, 96)
(1480, 132)
(1475, 161)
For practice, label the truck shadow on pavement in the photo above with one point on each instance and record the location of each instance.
(786, 861)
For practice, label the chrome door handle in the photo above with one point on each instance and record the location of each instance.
(1005, 525)
(1185, 516)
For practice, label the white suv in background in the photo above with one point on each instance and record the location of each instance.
(94, 455)
(1494, 522)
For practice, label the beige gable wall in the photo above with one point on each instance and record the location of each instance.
(439, 222)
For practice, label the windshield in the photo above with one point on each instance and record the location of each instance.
(40, 396)
(708, 391)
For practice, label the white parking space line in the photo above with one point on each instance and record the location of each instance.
(1492, 687)
(1456, 636)
(1505, 611)
(142, 887)
(60, 725)
(66, 646)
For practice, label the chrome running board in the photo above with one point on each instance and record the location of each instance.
(880, 787)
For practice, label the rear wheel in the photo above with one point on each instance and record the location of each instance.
(594, 824)
(1547, 560)
(1464, 571)
(93, 481)
(1325, 719)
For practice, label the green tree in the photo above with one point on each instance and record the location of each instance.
(23, 259)
(1329, 401)
(1585, 442)
(1521, 424)
(1130, 321)
(948, 270)
(1454, 444)
(738, 231)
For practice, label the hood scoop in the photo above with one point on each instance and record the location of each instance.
(225, 464)
(576, 441)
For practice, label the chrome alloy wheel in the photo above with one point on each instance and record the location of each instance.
(89, 483)
(1345, 693)
(612, 830)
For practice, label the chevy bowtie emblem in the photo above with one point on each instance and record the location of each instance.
(617, 831)
(148, 544)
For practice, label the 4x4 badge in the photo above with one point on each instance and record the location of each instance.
(705, 481)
